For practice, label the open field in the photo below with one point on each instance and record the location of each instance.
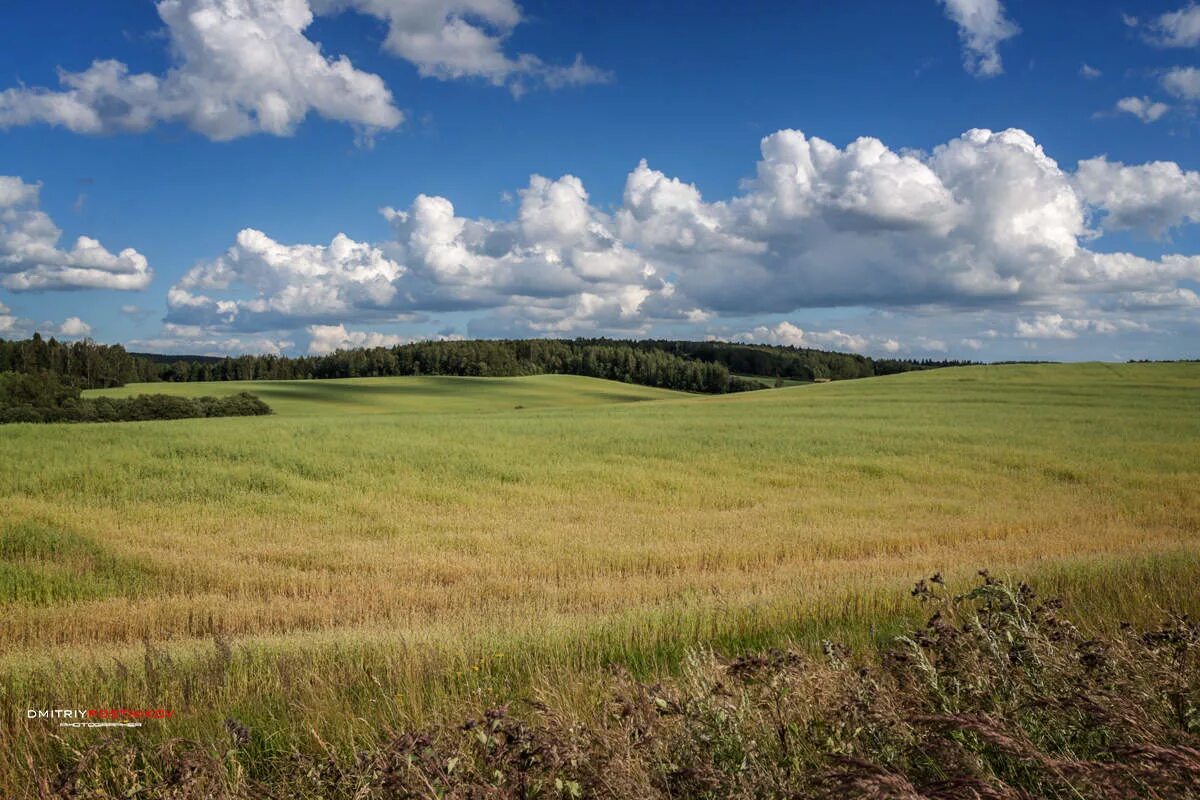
(412, 395)
(769, 382)
(381, 547)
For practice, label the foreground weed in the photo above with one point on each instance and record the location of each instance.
(997, 695)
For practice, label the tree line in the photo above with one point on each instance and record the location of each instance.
(612, 360)
(84, 363)
(792, 363)
(711, 367)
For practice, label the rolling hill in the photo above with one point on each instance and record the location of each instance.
(408, 543)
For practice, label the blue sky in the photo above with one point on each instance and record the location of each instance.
(228, 161)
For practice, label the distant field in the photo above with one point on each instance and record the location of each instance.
(381, 548)
(407, 395)
(769, 381)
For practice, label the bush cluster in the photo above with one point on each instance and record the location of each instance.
(46, 397)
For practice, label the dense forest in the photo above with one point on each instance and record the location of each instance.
(711, 367)
(85, 364)
(793, 363)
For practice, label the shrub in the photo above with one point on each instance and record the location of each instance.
(46, 397)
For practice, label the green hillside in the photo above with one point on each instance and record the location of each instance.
(410, 394)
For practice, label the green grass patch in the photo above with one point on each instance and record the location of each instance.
(437, 394)
(771, 381)
(43, 565)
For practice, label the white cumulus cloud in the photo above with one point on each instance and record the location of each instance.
(31, 259)
(239, 67)
(74, 328)
(287, 283)
(791, 335)
(1143, 108)
(196, 341)
(14, 327)
(451, 39)
(1180, 298)
(1152, 197)
(1056, 326)
(982, 26)
(987, 220)
(1183, 82)
(328, 338)
(8, 321)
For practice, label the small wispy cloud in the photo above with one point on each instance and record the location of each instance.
(1179, 28)
(1143, 108)
(982, 26)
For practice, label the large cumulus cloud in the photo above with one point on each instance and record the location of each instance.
(241, 66)
(560, 261)
(987, 220)
(288, 284)
(246, 66)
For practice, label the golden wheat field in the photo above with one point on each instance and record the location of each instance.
(380, 547)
